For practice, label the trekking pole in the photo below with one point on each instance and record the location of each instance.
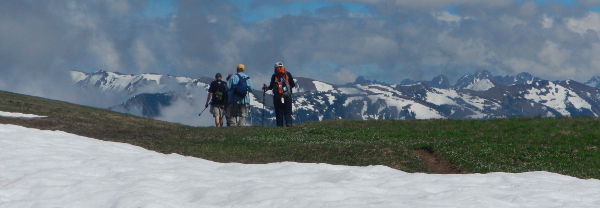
(263, 111)
(202, 111)
(250, 114)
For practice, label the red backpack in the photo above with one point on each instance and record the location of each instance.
(281, 79)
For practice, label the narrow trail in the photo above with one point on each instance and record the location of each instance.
(436, 164)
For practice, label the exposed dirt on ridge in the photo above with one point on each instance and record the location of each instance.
(436, 163)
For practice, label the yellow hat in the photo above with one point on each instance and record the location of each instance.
(241, 67)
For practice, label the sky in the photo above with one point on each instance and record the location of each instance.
(329, 40)
(42, 168)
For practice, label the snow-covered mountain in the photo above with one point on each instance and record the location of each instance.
(129, 84)
(478, 96)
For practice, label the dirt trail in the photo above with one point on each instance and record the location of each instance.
(436, 164)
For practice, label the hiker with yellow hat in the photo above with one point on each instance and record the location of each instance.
(239, 86)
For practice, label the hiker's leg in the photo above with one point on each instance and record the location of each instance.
(288, 111)
(230, 117)
(215, 114)
(243, 112)
(220, 115)
(278, 110)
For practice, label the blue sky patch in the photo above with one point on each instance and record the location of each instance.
(160, 9)
(266, 11)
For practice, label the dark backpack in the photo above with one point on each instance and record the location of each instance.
(241, 89)
(219, 95)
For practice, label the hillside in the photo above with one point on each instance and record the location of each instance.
(566, 146)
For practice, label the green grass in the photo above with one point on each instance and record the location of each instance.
(566, 146)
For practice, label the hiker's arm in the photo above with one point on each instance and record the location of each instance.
(271, 83)
(211, 89)
(208, 99)
(250, 85)
(291, 80)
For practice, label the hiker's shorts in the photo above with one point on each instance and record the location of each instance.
(217, 110)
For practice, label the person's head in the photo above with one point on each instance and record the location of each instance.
(241, 68)
(278, 64)
(229, 76)
(218, 76)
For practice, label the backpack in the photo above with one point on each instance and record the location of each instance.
(219, 95)
(281, 81)
(241, 89)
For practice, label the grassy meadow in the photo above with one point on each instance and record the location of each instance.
(566, 146)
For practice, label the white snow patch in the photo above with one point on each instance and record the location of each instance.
(57, 169)
(330, 98)
(19, 115)
(379, 89)
(351, 99)
(481, 85)
(322, 86)
(152, 77)
(304, 104)
(350, 91)
(442, 96)
(555, 96)
(183, 79)
(421, 111)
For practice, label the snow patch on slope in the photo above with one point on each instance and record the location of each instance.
(19, 115)
(322, 86)
(481, 85)
(556, 96)
(442, 96)
(350, 91)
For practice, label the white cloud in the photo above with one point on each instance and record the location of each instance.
(106, 51)
(144, 57)
(547, 22)
(595, 52)
(344, 75)
(186, 112)
(553, 55)
(412, 38)
(581, 25)
(446, 16)
(433, 3)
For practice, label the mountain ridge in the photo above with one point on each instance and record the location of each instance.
(474, 96)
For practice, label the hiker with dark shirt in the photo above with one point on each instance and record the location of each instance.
(282, 83)
(217, 98)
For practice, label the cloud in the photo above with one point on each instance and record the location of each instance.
(185, 112)
(344, 75)
(583, 24)
(41, 41)
(431, 4)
